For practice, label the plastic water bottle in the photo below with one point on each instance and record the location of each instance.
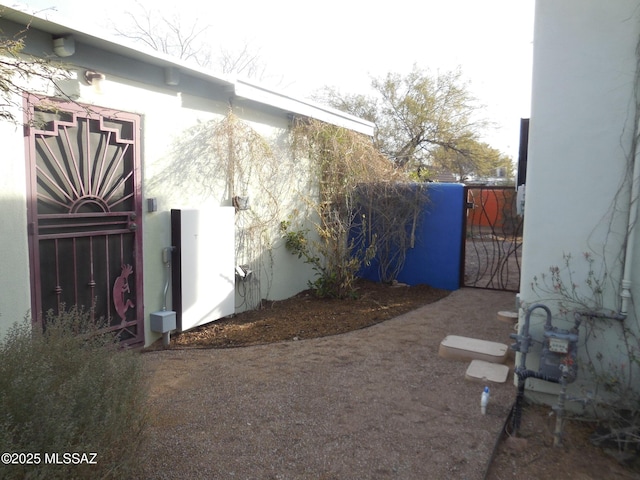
(484, 400)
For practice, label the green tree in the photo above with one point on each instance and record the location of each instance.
(362, 106)
(472, 158)
(419, 117)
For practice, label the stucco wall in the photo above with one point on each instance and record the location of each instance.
(15, 299)
(580, 150)
(168, 122)
(169, 114)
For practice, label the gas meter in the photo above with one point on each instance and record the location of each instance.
(559, 349)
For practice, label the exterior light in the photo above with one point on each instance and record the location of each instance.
(94, 79)
(64, 46)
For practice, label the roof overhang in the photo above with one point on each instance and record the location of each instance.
(248, 90)
(49, 22)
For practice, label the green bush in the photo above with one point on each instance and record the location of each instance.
(335, 259)
(69, 390)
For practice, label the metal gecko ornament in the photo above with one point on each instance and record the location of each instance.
(120, 287)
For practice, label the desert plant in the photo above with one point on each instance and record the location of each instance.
(352, 175)
(70, 390)
(393, 212)
(336, 258)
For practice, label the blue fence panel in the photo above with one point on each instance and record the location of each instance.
(436, 258)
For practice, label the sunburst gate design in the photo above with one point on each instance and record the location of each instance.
(85, 209)
(84, 165)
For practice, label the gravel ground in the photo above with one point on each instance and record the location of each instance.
(377, 403)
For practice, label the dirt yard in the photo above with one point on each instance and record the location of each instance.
(266, 411)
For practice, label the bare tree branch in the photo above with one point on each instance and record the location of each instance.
(187, 41)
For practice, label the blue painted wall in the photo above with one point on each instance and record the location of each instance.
(436, 258)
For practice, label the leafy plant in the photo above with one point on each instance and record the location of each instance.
(336, 264)
(70, 389)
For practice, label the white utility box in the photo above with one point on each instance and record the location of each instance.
(203, 274)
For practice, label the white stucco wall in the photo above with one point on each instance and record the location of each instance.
(580, 148)
(15, 298)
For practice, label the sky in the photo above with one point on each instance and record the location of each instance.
(344, 43)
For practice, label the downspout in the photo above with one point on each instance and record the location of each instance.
(626, 283)
(625, 293)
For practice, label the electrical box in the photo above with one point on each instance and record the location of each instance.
(163, 322)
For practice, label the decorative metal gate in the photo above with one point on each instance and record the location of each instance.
(493, 246)
(84, 214)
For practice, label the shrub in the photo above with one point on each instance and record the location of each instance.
(336, 259)
(70, 389)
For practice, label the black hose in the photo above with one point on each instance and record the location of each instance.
(515, 412)
(522, 378)
(498, 440)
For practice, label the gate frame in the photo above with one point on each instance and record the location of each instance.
(470, 205)
(91, 112)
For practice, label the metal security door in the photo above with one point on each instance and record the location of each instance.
(84, 214)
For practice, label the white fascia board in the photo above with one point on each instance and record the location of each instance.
(254, 92)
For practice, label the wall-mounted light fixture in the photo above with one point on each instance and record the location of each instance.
(171, 76)
(241, 203)
(64, 46)
(94, 79)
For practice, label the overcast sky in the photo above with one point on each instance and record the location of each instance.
(342, 43)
